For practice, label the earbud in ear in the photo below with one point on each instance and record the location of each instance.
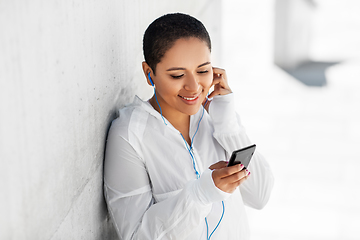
(152, 84)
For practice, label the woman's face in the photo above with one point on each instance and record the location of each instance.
(183, 77)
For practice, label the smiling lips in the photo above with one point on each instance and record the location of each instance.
(190, 99)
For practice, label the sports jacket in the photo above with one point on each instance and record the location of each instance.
(150, 184)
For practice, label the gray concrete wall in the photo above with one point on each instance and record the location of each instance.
(65, 69)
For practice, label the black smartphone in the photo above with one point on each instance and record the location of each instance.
(242, 156)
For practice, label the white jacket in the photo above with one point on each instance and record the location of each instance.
(150, 182)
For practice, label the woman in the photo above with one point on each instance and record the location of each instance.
(166, 175)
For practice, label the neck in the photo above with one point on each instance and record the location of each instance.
(180, 121)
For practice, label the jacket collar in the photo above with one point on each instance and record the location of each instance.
(145, 105)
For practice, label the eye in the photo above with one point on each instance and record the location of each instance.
(177, 77)
(201, 72)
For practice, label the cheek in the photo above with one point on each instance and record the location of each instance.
(170, 87)
(207, 81)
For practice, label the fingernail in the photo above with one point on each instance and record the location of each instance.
(248, 173)
(241, 165)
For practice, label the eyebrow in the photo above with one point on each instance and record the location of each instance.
(180, 68)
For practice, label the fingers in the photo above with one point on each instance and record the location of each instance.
(220, 83)
(218, 165)
(219, 91)
(234, 185)
(229, 178)
(236, 177)
(228, 171)
(220, 71)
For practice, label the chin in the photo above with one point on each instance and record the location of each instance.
(193, 110)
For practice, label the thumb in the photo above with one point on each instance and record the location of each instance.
(218, 165)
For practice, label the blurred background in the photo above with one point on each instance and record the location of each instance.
(66, 67)
(295, 66)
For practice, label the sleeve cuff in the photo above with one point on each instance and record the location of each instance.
(223, 115)
(206, 191)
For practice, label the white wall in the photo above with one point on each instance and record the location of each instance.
(65, 69)
(295, 125)
(293, 32)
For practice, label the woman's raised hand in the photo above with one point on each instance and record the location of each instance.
(221, 86)
(226, 178)
(220, 83)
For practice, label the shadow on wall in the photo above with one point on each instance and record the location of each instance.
(311, 73)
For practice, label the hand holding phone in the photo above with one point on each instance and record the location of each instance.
(242, 156)
(223, 177)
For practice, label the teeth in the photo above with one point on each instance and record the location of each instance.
(189, 99)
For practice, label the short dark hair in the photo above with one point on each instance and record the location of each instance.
(164, 31)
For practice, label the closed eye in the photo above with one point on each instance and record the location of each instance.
(177, 77)
(203, 71)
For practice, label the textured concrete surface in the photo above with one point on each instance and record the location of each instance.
(65, 69)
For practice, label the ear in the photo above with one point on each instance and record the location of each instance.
(147, 70)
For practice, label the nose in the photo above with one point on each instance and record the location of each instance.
(191, 83)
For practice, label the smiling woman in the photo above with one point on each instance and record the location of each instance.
(182, 81)
(160, 181)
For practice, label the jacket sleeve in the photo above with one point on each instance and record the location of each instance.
(128, 194)
(231, 135)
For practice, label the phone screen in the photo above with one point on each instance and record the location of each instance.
(242, 156)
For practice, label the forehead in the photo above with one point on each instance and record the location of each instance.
(186, 53)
